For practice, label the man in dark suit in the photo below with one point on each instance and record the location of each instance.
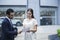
(8, 31)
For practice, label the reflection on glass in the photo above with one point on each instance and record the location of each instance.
(19, 13)
(48, 16)
(2, 13)
(46, 21)
(47, 13)
(18, 16)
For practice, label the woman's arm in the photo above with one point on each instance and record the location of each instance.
(34, 29)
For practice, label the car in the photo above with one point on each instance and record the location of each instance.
(16, 22)
(1, 19)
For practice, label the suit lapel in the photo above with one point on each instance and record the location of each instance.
(10, 22)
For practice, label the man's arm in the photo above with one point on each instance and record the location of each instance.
(5, 28)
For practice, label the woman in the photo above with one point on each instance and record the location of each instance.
(31, 24)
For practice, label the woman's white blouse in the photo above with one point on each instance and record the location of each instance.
(29, 23)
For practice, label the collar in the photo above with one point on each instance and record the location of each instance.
(8, 18)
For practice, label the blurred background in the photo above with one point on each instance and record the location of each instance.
(46, 12)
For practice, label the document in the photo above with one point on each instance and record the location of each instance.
(25, 29)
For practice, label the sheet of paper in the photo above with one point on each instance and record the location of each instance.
(26, 29)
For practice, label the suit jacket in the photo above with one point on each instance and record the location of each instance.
(8, 31)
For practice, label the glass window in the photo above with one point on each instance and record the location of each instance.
(2, 13)
(47, 16)
(19, 14)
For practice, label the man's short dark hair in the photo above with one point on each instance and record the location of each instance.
(9, 11)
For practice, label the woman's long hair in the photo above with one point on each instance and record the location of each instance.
(31, 10)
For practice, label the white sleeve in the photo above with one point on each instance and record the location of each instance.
(35, 22)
